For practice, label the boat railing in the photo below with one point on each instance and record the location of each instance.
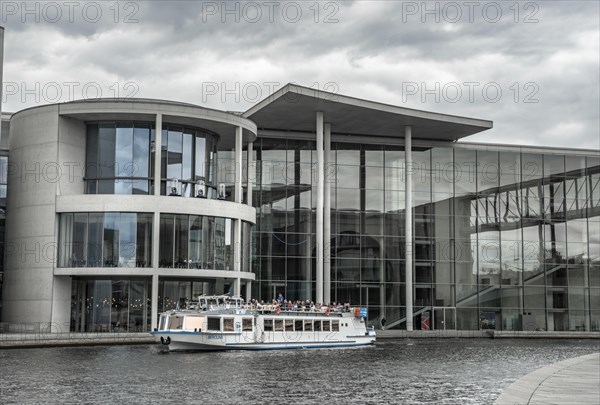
(225, 302)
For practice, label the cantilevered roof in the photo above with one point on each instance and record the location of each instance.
(294, 108)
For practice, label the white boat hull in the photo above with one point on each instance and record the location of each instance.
(201, 341)
(241, 328)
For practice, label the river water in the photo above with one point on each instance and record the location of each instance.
(452, 371)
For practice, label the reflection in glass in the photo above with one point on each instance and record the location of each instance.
(117, 158)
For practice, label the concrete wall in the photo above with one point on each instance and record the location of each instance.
(30, 226)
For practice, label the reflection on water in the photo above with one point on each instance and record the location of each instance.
(409, 371)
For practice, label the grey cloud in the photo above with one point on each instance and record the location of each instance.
(369, 53)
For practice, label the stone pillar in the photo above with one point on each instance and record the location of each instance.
(248, 291)
(408, 226)
(320, 191)
(154, 301)
(327, 217)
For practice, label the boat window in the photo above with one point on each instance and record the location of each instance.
(213, 323)
(298, 325)
(163, 322)
(335, 326)
(194, 322)
(268, 325)
(326, 326)
(175, 322)
(228, 324)
(308, 326)
(247, 324)
(278, 325)
(289, 325)
(317, 325)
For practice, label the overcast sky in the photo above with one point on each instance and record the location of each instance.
(531, 67)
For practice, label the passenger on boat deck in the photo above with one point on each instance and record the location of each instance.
(280, 298)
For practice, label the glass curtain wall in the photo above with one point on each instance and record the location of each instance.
(188, 162)
(110, 305)
(111, 239)
(200, 242)
(502, 239)
(118, 158)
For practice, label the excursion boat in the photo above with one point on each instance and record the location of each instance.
(224, 323)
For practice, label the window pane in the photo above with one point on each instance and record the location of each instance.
(166, 240)
(141, 151)
(124, 151)
(111, 239)
(144, 240)
(187, 156)
(175, 153)
(106, 150)
(200, 158)
(95, 234)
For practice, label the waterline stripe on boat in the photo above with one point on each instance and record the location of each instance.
(308, 346)
(279, 343)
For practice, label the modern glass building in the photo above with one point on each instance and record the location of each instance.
(310, 194)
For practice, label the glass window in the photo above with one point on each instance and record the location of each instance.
(200, 164)
(181, 241)
(187, 155)
(124, 151)
(531, 167)
(109, 239)
(554, 166)
(144, 240)
(510, 168)
(118, 154)
(166, 239)
(95, 239)
(141, 151)
(175, 153)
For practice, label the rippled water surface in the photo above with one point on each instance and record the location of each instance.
(402, 371)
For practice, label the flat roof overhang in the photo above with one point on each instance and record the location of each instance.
(294, 108)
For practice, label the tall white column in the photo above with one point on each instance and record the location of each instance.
(154, 301)
(237, 225)
(320, 190)
(248, 291)
(327, 217)
(408, 172)
(251, 174)
(157, 177)
(238, 166)
(157, 153)
(237, 287)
